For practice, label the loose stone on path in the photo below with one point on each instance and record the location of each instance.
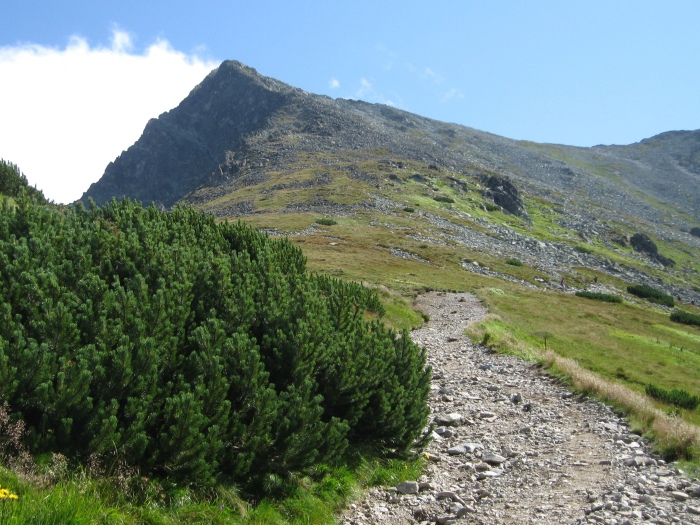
(512, 446)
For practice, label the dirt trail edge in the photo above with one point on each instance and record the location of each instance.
(514, 447)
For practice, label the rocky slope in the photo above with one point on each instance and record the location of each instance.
(666, 166)
(238, 122)
(512, 446)
(245, 145)
(178, 150)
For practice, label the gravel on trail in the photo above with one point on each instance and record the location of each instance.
(513, 446)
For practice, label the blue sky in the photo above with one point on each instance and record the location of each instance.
(80, 79)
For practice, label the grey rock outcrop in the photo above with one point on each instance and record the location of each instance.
(642, 243)
(506, 195)
(178, 150)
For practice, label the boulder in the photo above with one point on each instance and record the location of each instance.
(407, 487)
(506, 195)
(643, 244)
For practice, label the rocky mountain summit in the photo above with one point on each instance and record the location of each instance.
(239, 123)
(245, 145)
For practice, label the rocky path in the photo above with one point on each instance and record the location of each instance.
(513, 447)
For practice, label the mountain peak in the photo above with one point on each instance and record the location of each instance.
(181, 147)
(239, 128)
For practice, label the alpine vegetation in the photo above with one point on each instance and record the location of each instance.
(193, 350)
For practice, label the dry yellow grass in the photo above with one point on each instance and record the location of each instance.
(672, 434)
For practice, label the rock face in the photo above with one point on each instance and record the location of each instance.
(642, 243)
(551, 458)
(179, 149)
(506, 195)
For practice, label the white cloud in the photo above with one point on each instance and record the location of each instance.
(429, 74)
(452, 94)
(334, 83)
(66, 113)
(365, 90)
(368, 93)
(121, 41)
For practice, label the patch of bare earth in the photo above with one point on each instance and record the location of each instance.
(513, 446)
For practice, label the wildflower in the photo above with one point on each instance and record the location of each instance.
(7, 494)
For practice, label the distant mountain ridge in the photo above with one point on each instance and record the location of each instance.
(399, 185)
(666, 165)
(237, 116)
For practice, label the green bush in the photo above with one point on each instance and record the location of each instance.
(514, 262)
(13, 183)
(679, 398)
(583, 249)
(326, 222)
(680, 316)
(608, 298)
(408, 209)
(492, 207)
(443, 198)
(358, 296)
(191, 349)
(651, 294)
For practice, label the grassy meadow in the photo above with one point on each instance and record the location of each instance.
(625, 346)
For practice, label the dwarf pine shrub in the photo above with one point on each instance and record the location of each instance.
(651, 294)
(191, 349)
(676, 397)
(443, 198)
(679, 316)
(13, 183)
(608, 298)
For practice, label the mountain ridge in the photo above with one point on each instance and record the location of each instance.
(234, 103)
(179, 135)
(243, 145)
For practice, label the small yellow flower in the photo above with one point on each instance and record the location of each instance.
(6, 494)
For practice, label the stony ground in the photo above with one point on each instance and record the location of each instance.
(512, 446)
